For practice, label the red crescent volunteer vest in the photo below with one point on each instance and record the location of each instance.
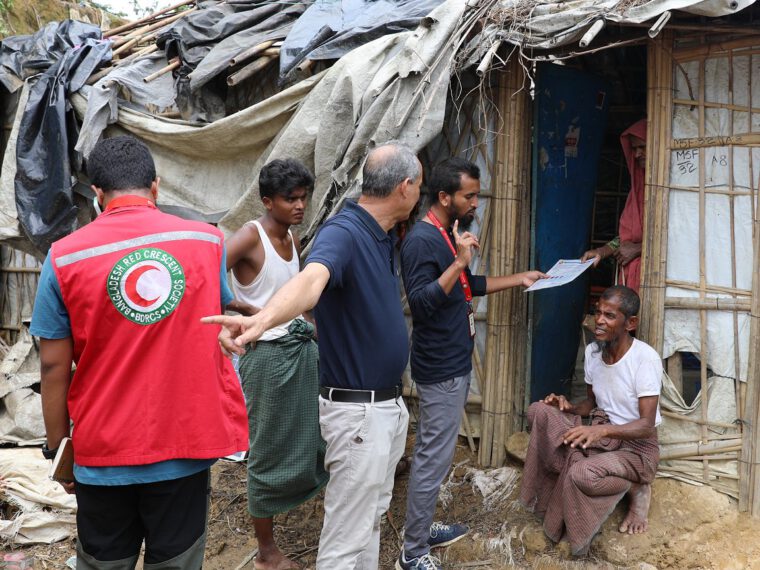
(151, 383)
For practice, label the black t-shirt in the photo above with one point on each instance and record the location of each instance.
(441, 342)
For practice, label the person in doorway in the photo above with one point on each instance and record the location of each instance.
(575, 474)
(280, 371)
(350, 279)
(153, 401)
(626, 248)
(435, 259)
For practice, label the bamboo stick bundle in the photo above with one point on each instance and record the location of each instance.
(253, 67)
(144, 31)
(131, 25)
(508, 223)
(174, 63)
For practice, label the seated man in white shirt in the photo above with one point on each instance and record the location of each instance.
(575, 474)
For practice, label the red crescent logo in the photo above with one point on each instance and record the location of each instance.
(130, 286)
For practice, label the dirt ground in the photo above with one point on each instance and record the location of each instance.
(690, 527)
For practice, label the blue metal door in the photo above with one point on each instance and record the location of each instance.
(571, 115)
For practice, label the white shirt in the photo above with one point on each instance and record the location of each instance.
(619, 386)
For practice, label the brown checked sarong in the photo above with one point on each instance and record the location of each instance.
(575, 490)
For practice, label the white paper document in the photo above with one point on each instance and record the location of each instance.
(562, 273)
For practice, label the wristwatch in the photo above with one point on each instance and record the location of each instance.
(48, 453)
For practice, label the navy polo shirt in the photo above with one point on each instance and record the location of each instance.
(363, 342)
(441, 342)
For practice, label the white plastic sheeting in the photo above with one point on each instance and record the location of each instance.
(728, 242)
(20, 406)
(675, 433)
(45, 513)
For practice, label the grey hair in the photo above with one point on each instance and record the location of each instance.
(381, 174)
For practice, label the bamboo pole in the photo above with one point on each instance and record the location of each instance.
(251, 69)
(698, 421)
(702, 449)
(250, 52)
(153, 16)
(95, 77)
(504, 362)
(654, 246)
(174, 63)
(147, 32)
(708, 288)
(708, 304)
(749, 481)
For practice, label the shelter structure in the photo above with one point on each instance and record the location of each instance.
(535, 92)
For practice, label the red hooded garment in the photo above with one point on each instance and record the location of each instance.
(632, 218)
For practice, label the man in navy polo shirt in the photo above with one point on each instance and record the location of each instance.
(435, 261)
(350, 279)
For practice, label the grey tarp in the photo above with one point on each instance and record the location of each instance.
(329, 30)
(125, 83)
(208, 167)
(393, 87)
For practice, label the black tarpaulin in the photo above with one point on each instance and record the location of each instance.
(47, 134)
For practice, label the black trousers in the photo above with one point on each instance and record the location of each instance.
(170, 516)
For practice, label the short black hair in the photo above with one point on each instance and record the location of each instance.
(283, 176)
(121, 163)
(447, 176)
(629, 299)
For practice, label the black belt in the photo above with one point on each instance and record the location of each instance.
(360, 396)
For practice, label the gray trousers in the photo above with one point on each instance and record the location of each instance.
(441, 406)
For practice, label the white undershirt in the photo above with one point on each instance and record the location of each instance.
(619, 386)
(275, 272)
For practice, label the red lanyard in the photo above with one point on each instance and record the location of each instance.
(129, 200)
(463, 275)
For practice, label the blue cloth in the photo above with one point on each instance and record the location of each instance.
(363, 342)
(441, 342)
(50, 320)
(137, 474)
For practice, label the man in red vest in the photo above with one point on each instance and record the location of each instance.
(153, 401)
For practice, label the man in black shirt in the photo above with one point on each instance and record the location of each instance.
(435, 260)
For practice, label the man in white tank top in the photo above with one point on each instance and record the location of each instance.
(279, 372)
(575, 474)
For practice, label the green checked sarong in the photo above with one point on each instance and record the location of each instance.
(281, 387)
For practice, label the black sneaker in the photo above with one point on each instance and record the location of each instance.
(424, 562)
(444, 534)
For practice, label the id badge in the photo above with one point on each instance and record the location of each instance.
(471, 319)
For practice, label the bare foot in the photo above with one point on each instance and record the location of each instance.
(275, 560)
(635, 522)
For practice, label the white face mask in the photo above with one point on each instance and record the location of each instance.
(96, 205)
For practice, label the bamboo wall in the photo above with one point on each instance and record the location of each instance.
(508, 249)
(686, 121)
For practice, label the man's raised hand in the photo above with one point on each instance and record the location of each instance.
(464, 244)
(237, 331)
